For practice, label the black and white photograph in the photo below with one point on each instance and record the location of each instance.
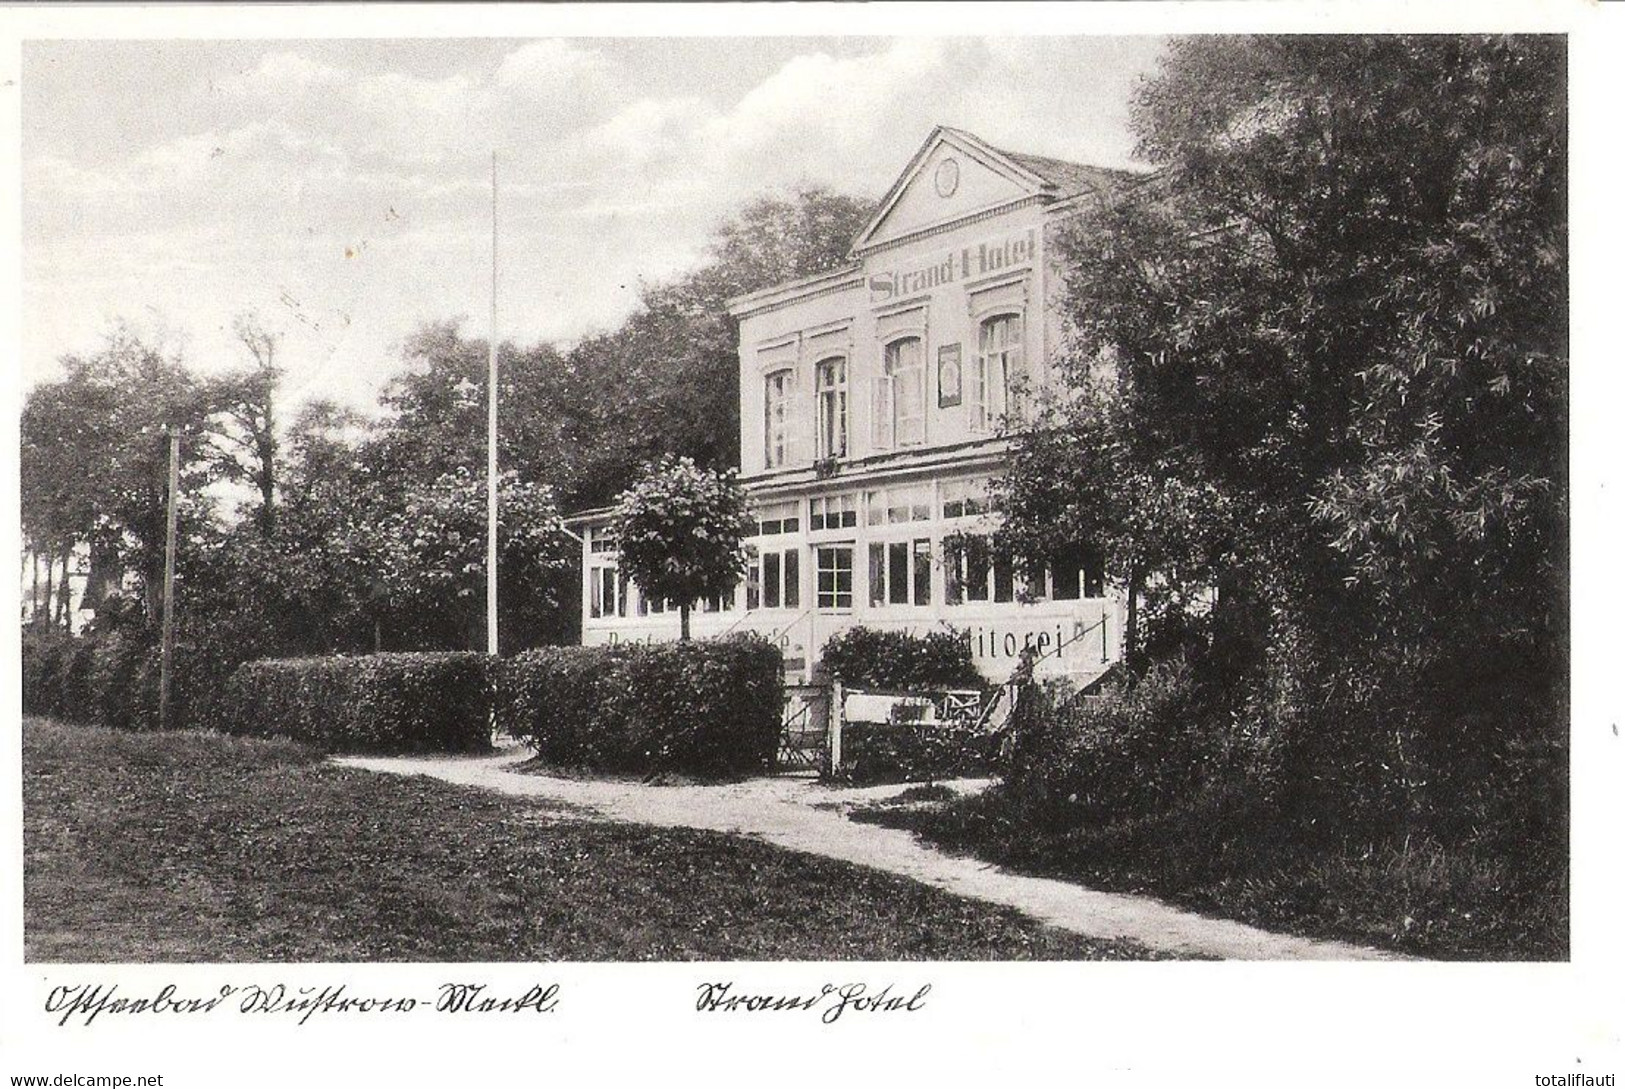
(819, 533)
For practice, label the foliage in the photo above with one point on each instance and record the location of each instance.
(424, 702)
(1320, 358)
(245, 435)
(95, 455)
(900, 661)
(1221, 853)
(679, 531)
(430, 553)
(906, 750)
(915, 751)
(57, 670)
(112, 679)
(709, 708)
(1135, 751)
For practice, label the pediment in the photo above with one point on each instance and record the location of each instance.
(954, 175)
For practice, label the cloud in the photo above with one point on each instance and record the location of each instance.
(555, 69)
(280, 73)
(297, 157)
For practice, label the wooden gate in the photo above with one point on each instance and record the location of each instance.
(803, 736)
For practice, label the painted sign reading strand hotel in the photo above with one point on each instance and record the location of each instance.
(954, 266)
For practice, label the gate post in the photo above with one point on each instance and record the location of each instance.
(837, 714)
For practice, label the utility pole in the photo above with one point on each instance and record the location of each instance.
(491, 441)
(166, 668)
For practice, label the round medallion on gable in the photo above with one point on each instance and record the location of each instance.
(947, 177)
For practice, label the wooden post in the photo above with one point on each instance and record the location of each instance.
(166, 666)
(837, 712)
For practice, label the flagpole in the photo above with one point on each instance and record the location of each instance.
(491, 440)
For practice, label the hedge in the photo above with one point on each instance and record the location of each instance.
(58, 675)
(707, 708)
(861, 657)
(915, 752)
(899, 661)
(1134, 752)
(113, 679)
(411, 702)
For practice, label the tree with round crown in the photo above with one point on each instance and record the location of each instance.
(679, 529)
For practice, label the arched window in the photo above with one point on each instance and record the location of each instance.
(831, 381)
(899, 409)
(776, 411)
(997, 370)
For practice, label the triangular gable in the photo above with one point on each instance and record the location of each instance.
(953, 175)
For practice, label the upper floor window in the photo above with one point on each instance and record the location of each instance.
(890, 506)
(964, 499)
(833, 511)
(997, 370)
(899, 408)
(777, 417)
(775, 518)
(831, 381)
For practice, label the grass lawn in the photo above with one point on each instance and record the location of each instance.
(1460, 903)
(194, 847)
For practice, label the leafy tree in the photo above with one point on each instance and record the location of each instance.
(431, 554)
(246, 435)
(95, 456)
(667, 381)
(679, 530)
(436, 420)
(1337, 324)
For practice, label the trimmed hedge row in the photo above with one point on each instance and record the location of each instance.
(58, 675)
(110, 680)
(411, 702)
(709, 708)
(861, 657)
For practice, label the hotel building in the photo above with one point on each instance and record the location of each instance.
(871, 399)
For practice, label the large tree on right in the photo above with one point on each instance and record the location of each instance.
(1337, 318)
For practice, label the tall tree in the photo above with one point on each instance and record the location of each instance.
(95, 455)
(245, 401)
(667, 381)
(1337, 320)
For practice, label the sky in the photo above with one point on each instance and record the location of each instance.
(341, 189)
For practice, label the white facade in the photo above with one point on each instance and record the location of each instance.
(870, 405)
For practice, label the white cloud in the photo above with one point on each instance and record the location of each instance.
(557, 68)
(282, 73)
(296, 160)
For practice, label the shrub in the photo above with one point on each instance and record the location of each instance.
(898, 660)
(710, 708)
(1131, 752)
(110, 679)
(57, 670)
(412, 702)
(914, 752)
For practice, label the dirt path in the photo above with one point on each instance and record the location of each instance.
(805, 816)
